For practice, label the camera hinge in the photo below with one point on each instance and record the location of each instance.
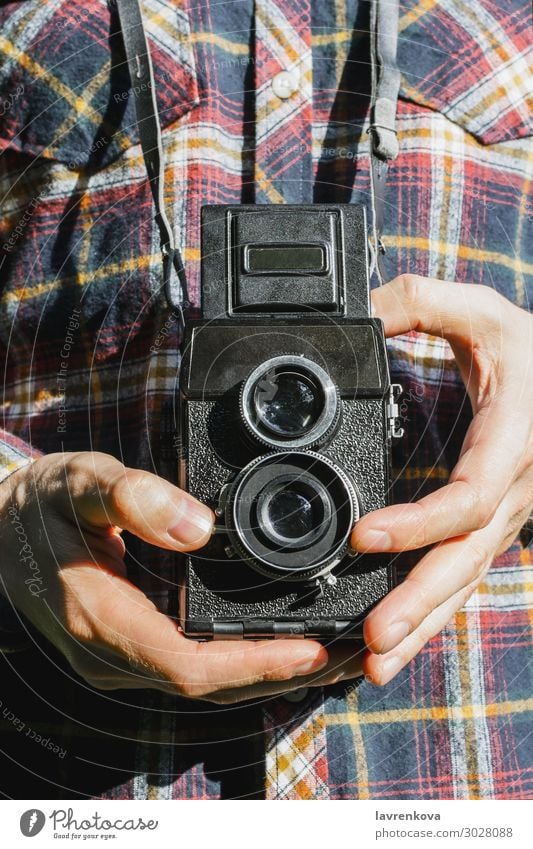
(228, 630)
(394, 431)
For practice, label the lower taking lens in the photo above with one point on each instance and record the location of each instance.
(290, 514)
(294, 513)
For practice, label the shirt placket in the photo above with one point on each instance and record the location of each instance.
(296, 764)
(283, 78)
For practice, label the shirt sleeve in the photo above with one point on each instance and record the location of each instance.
(14, 455)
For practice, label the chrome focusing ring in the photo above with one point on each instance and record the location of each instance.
(282, 563)
(261, 381)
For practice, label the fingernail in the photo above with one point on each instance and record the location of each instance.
(394, 635)
(390, 667)
(305, 667)
(194, 523)
(116, 545)
(373, 540)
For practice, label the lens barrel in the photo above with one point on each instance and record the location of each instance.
(290, 402)
(290, 514)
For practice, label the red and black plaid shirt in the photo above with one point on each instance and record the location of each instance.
(81, 307)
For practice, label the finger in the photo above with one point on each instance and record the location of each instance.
(111, 547)
(103, 492)
(489, 461)
(382, 668)
(444, 571)
(219, 666)
(455, 311)
(514, 527)
(489, 465)
(123, 619)
(344, 663)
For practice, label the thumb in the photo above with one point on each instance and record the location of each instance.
(108, 493)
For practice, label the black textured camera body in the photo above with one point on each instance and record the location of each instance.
(331, 354)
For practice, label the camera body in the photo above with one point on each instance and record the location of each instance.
(287, 414)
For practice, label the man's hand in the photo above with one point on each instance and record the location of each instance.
(490, 492)
(62, 566)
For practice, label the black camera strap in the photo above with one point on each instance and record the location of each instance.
(149, 129)
(385, 79)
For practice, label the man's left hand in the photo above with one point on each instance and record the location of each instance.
(489, 496)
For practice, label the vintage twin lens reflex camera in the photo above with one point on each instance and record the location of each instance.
(287, 414)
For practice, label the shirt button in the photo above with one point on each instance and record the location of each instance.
(296, 695)
(284, 84)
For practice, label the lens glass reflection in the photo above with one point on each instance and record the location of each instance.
(287, 403)
(294, 514)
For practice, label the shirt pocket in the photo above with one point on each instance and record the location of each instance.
(65, 91)
(471, 61)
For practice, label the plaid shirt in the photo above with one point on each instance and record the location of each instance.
(91, 358)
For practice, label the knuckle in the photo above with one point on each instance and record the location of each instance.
(74, 463)
(135, 481)
(490, 305)
(117, 494)
(411, 288)
(81, 472)
(144, 486)
(185, 689)
(131, 490)
(420, 598)
(520, 514)
(231, 697)
(276, 673)
(478, 557)
(426, 631)
(53, 473)
(490, 298)
(421, 526)
(478, 504)
(484, 509)
(82, 466)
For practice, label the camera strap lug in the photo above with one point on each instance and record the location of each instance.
(394, 431)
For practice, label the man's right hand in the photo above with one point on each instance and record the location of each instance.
(62, 565)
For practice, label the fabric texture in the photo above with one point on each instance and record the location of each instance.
(91, 357)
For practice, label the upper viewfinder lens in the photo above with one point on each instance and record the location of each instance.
(287, 403)
(290, 401)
